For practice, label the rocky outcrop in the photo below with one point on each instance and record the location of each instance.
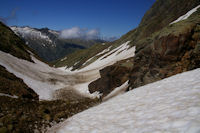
(167, 56)
(11, 85)
(111, 77)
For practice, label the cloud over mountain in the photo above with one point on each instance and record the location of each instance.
(83, 33)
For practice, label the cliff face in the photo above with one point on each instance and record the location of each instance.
(162, 49)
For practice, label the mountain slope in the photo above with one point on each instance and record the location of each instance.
(169, 105)
(48, 44)
(161, 51)
(29, 98)
(10, 43)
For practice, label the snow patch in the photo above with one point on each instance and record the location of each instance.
(119, 90)
(169, 105)
(104, 51)
(83, 89)
(66, 69)
(46, 80)
(6, 95)
(186, 15)
(36, 75)
(76, 63)
(88, 61)
(122, 52)
(63, 59)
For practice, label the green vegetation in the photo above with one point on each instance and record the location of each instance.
(22, 116)
(11, 43)
(81, 56)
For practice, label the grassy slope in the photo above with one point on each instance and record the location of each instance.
(140, 36)
(11, 43)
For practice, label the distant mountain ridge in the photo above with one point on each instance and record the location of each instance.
(47, 43)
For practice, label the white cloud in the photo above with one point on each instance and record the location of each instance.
(76, 32)
(110, 39)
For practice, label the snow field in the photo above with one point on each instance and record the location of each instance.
(45, 80)
(120, 53)
(169, 105)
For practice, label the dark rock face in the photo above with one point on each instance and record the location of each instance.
(111, 77)
(166, 56)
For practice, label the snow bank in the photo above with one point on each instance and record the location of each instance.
(169, 105)
(104, 51)
(119, 90)
(122, 52)
(109, 58)
(83, 89)
(186, 15)
(6, 95)
(45, 80)
(66, 69)
(36, 75)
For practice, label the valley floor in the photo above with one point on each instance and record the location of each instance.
(169, 105)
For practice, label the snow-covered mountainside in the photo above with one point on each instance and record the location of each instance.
(106, 57)
(119, 74)
(48, 44)
(46, 81)
(26, 32)
(169, 105)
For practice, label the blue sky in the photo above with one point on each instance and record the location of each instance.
(111, 17)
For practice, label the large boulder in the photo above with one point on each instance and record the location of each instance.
(111, 77)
